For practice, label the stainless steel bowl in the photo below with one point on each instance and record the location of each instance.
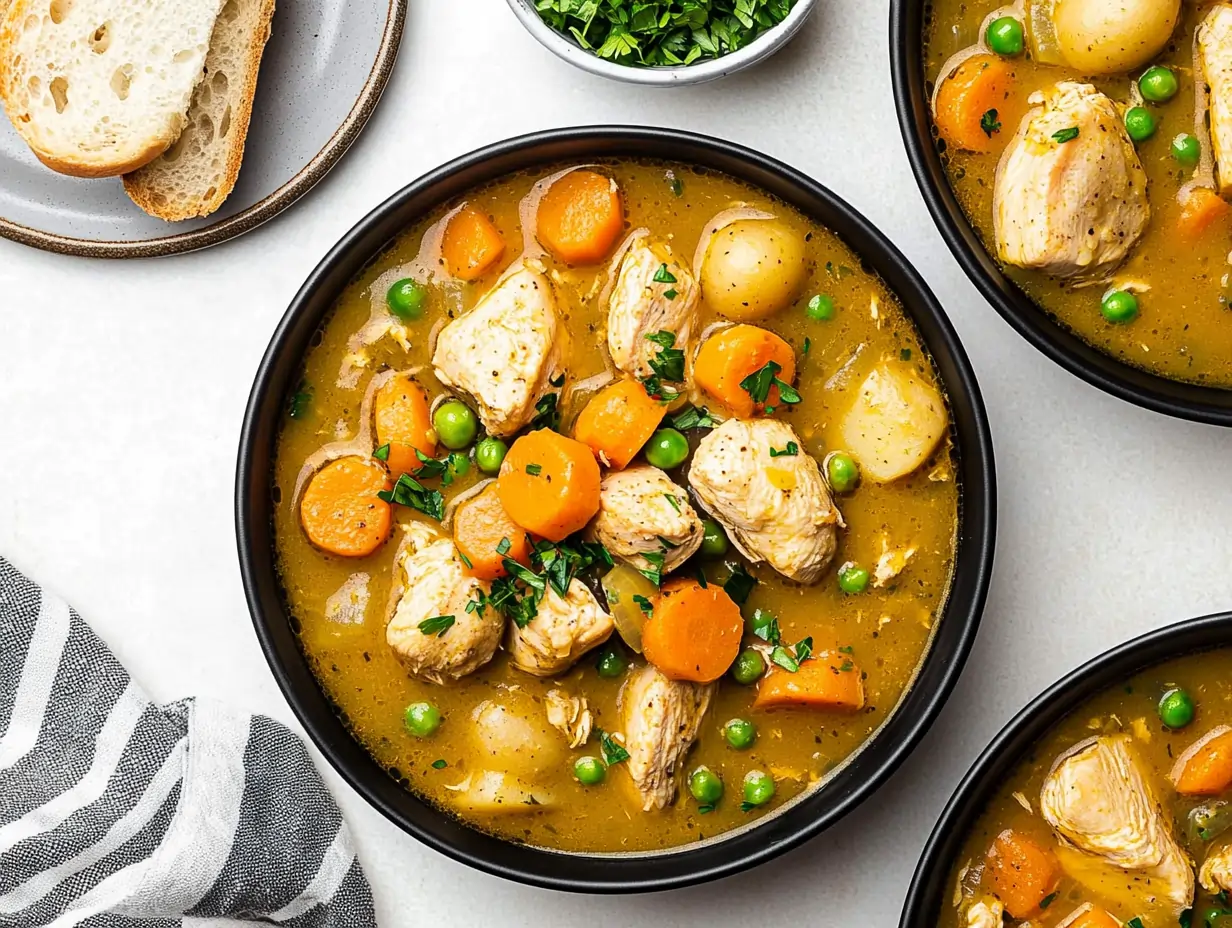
(700, 72)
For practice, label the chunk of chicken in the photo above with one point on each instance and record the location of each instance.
(641, 510)
(985, 915)
(569, 715)
(1214, 38)
(504, 352)
(1098, 799)
(639, 305)
(775, 509)
(1071, 205)
(661, 719)
(430, 581)
(560, 633)
(1216, 873)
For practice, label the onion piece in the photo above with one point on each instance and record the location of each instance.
(620, 585)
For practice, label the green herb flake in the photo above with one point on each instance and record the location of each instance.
(663, 275)
(747, 806)
(674, 184)
(989, 123)
(693, 418)
(1047, 900)
(670, 294)
(613, 751)
(503, 548)
(437, 625)
(411, 493)
(791, 450)
(808, 343)
(440, 764)
(547, 415)
(466, 560)
(534, 469)
(905, 354)
(1134, 922)
(739, 585)
(706, 809)
(381, 453)
(784, 659)
(644, 604)
(1061, 137)
(672, 500)
(301, 401)
(653, 573)
(558, 381)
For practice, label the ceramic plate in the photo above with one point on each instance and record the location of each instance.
(325, 66)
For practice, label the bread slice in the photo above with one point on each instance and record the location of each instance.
(97, 88)
(196, 174)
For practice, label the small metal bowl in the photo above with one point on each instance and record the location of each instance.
(711, 69)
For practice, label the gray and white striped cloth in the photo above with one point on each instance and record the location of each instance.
(118, 812)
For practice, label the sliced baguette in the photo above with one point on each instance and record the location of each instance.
(198, 172)
(98, 88)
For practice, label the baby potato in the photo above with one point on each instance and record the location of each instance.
(895, 423)
(492, 792)
(752, 268)
(515, 742)
(1108, 36)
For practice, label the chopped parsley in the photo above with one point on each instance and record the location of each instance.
(1063, 136)
(1047, 900)
(808, 343)
(675, 503)
(411, 493)
(766, 627)
(534, 469)
(706, 809)
(790, 659)
(547, 415)
(838, 272)
(558, 381)
(674, 183)
(739, 585)
(747, 806)
(758, 384)
(668, 361)
(301, 401)
(671, 294)
(791, 450)
(440, 764)
(503, 548)
(905, 354)
(447, 468)
(466, 560)
(693, 418)
(664, 276)
(382, 453)
(613, 751)
(437, 625)
(644, 604)
(653, 573)
(989, 123)
(1136, 922)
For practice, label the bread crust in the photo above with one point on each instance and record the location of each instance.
(143, 193)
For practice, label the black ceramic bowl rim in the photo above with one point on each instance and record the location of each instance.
(1172, 397)
(930, 884)
(935, 677)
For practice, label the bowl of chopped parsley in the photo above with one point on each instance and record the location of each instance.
(663, 42)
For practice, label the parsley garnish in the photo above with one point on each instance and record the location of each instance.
(653, 573)
(534, 469)
(557, 381)
(440, 764)
(644, 604)
(790, 659)
(1063, 136)
(1136, 922)
(674, 183)
(411, 493)
(671, 294)
(668, 362)
(707, 808)
(739, 585)
(838, 272)
(613, 750)
(675, 503)
(664, 276)
(747, 806)
(1047, 900)
(989, 123)
(301, 401)
(847, 649)
(905, 354)
(382, 453)
(766, 627)
(757, 384)
(808, 343)
(437, 625)
(791, 450)
(547, 416)
(693, 418)
(503, 548)
(466, 560)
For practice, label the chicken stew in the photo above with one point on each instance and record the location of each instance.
(1120, 816)
(1089, 143)
(615, 506)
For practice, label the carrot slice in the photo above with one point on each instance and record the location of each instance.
(729, 356)
(400, 410)
(1205, 769)
(471, 244)
(340, 510)
(1090, 917)
(1200, 209)
(549, 484)
(693, 632)
(1021, 872)
(825, 681)
(981, 93)
(618, 421)
(580, 217)
(481, 528)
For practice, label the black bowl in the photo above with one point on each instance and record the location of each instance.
(613, 873)
(931, 884)
(1172, 397)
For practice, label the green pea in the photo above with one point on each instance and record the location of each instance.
(1186, 149)
(1139, 123)
(1004, 36)
(706, 786)
(749, 667)
(589, 771)
(459, 464)
(407, 298)
(456, 424)
(1158, 84)
(758, 788)
(490, 454)
(1119, 306)
(1176, 708)
(422, 719)
(820, 308)
(611, 664)
(714, 539)
(852, 579)
(843, 472)
(666, 449)
(740, 733)
(759, 623)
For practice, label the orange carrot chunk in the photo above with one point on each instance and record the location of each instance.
(549, 484)
(400, 410)
(729, 356)
(340, 510)
(1205, 769)
(979, 95)
(1093, 917)
(1020, 872)
(580, 217)
(1200, 209)
(618, 421)
(471, 244)
(485, 535)
(693, 632)
(825, 681)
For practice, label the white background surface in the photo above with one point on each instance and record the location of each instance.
(122, 387)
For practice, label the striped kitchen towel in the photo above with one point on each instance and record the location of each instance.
(115, 811)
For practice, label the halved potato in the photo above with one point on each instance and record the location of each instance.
(509, 740)
(752, 268)
(895, 423)
(491, 792)
(1109, 36)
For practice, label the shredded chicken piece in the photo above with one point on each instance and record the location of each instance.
(570, 715)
